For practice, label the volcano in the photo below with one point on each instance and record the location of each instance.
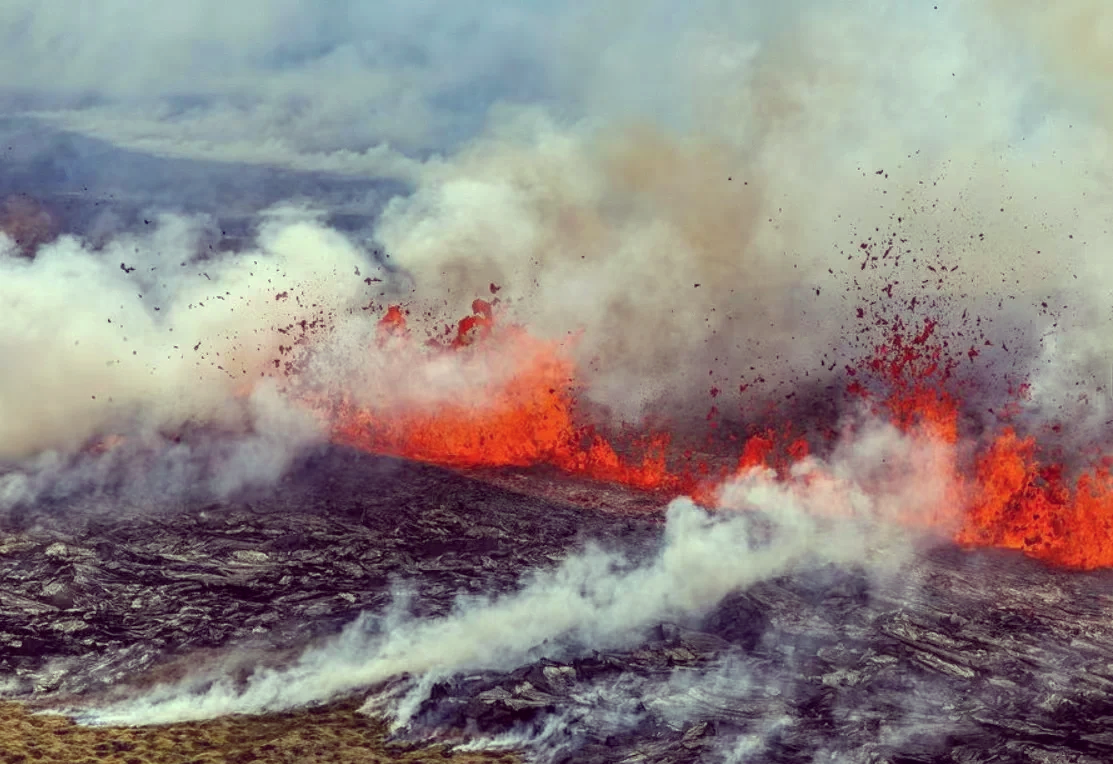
(465, 556)
(453, 549)
(720, 382)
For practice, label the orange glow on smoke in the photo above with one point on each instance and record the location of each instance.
(523, 420)
(1008, 498)
(1003, 495)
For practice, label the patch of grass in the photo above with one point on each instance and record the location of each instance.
(335, 733)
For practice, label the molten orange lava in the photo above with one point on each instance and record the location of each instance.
(521, 420)
(1002, 493)
(1008, 498)
(1020, 504)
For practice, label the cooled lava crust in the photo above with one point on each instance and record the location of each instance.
(962, 657)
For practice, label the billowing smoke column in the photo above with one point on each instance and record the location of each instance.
(705, 206)
(724, 225)
(145, 340)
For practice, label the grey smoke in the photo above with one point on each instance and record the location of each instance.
(702, 222)
(689, 184)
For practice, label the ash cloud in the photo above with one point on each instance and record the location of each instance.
(1071, 37)
(719, 216)
(707, 191)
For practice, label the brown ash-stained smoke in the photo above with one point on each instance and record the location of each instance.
(746, 169)
(28, 223)
(606, 226)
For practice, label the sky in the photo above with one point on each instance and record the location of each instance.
(365, 88)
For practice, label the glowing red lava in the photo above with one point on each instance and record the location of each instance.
(523, 420)
(1007, 497)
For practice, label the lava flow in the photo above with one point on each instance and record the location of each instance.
(1002, 494)
(522, 420)
(1008, 498)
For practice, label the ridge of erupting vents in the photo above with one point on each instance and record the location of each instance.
(1003, 494)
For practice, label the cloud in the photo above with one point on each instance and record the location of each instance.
(339, 87)
(686, 185)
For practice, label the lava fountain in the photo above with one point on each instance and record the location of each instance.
(1005, 493)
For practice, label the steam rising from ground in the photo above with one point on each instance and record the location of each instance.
(145, 469)
(689, 184)
(842, 512)
(98, 345)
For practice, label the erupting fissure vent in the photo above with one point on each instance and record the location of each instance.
(520, 419)
(1001, 493)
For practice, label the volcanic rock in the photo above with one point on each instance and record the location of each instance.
(88, 600)
(957, 657)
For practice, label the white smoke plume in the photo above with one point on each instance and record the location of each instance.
(843, 512)
(144, 470)
(150, 338)
(708, 191)
(704, 224)
(754, 696)
(620, 705)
